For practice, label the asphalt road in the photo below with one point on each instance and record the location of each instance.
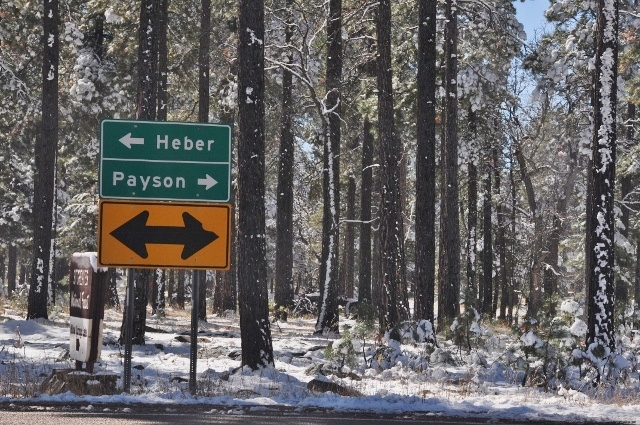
(194, 415)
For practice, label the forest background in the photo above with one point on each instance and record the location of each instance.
(521, 163)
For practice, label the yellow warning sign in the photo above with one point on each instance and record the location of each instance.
(164, 235)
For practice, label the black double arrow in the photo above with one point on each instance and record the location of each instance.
(135, 235)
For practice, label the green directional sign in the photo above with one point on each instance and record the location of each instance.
(168, 161)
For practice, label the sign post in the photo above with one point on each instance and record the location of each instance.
(87, 287)
(143, 162)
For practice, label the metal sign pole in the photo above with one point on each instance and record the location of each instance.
(128, 330)
(193, 352)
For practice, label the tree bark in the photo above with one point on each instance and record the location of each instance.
(113, 301)
(283, 295)
(202, 297)
(425, 255)
(626, 187)
(391, 226)
(163, 69)
(12, 270)
(203, 116)
(537, 255)
(328, 321)
(182, 276)
(255, 330)
(364, 271)
(500, 281)
(45, 163)
(141, 284)
(600, 335)
(449, 278)
(3, 269)
(147, 91)
(348, 253)
(487, 251)
(171, 288)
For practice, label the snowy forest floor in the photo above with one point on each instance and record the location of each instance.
(392, 378)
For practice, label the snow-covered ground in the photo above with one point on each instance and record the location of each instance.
(405, 378)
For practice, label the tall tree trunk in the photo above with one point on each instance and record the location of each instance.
(472, 295)
(45, 163)
(202, 297)
(501, 242)
(637, 279)
(487, 252)
(142, 280)
(203, 61)
(328, 321)
(158, 292)
(171, 285)
(255, 330)
(449, 278)
(203, 116)
(391, 226)
(602, 226)
(13, 268)
(113, 301)
(500, 281)
(348, 253)
(425, 226)
(22, 280)
(180, 291)
(283, 295)
(163, 69)
(512, 255)
(626, 187)
(364, 271)
(147, 91)
(537, 255)
(551, 271)
(3, 269)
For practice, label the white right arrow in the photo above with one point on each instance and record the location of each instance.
(127, 140)
(207, 182)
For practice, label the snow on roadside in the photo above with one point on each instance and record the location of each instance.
(477, 384)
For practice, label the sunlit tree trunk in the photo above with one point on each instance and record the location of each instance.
(45, 163)
(626, 188)
(364, 272)
(283, 295)
(255, 328)
(391, 225)
(328, 321)
(12, 270)
(425, 255)
(487, 251)
(600, 335)
(146, 102)
(348, 253)
(163, 71)
(449, 274)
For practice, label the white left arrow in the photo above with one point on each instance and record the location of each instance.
(207, 182)
(127, 140)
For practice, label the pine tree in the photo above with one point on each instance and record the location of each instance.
(600, 277)
(391, 221)
(364, 271)
(328, 320)
(283, 296)
(425, 251)
(255, 330)
(449, 284)
(45, 164)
